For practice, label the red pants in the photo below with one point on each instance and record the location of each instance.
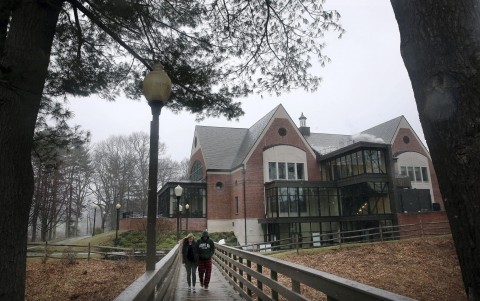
(205, 271)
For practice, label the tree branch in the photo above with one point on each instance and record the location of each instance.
(107, 30)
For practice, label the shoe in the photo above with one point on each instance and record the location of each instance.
(201, 284)
(205, 288)
(194, 290)
(189, 288)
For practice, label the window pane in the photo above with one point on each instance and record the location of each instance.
(403, 170)
(282, 174)
(418, 175)
(300, 172)
(272, 170)
(425, 174)
(293, 198)
(291, 171)
(411, 174)
(283, 201)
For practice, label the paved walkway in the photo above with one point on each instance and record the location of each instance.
(218, 289)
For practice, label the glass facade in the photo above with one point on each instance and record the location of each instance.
(194, 196)
(367, 161)
(354, 196)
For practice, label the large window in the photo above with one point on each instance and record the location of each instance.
(299, 201)
(365, 198)
(415, 173)
(286, 171)
(196, 172)
(356, 163)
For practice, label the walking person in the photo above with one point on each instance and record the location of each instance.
(190, 260)
(206, 248)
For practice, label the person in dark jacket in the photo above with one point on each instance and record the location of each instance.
(190, 259)
(206, 249)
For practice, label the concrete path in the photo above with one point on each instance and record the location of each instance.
(218, 289)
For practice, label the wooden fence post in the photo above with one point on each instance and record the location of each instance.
(89, 251)
(274, 277)
(381, 232)
(339, 237)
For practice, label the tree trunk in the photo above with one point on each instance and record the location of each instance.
(440, 46)
(24, 63)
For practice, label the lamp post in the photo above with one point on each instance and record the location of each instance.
(178, 194)
(187, 206)
(94, 216)
(180, 215)
(157, 87)
(118, 206)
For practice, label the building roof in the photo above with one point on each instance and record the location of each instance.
(386, 131)
(226, 148)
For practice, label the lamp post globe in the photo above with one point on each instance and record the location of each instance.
(94, 216)
(187, 206)
(178, 193)
(157, 88)
(118, 206)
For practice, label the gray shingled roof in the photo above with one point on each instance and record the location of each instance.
(386, 130)
(219, 145)
(326, 143)
(226, 148)
(252, 136)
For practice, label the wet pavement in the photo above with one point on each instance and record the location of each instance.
(218, 289)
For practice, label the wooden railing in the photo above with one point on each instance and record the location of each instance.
(258, 277)
(60, 251)
(158, 284)
(382, 233)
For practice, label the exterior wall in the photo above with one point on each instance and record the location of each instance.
(254, 231)
(198, 155)
(414, 145)
(219, 205)
(140, 224)
(223, 225)
(283, 153)
(438, 218)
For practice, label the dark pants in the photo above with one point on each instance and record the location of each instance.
(191, 268)
(205, 271)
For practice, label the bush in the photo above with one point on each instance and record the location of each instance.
(69, 256)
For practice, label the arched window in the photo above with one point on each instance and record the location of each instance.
(196, 173)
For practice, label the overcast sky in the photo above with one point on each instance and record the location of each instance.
(365, 84)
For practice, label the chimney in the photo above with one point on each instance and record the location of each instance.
(304, 130)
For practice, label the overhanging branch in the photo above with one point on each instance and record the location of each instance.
(107, 30)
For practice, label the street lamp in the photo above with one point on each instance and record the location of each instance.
(94, 216)
(180, 214)
(187, 206)
(178, 194)
(118, 206)
(157, 87)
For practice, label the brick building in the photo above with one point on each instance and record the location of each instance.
(276, 178)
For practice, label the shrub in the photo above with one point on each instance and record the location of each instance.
(69, 256)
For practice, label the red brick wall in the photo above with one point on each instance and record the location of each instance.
(399, 146)
(423, 223)
(198, 155)
(140, 224)
(219, 205)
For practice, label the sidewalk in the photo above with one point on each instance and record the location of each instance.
(219, 288)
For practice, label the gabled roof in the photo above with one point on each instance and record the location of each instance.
(252, 136)
(220, 145)
(326, 143)
(386, 130)
(226, 148)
